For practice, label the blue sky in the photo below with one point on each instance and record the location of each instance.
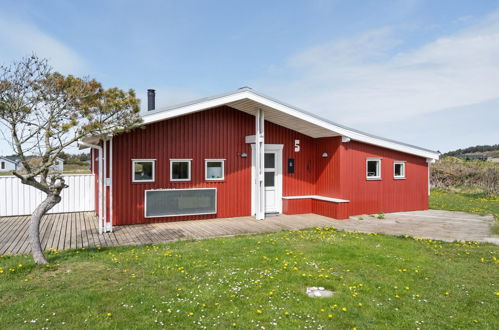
(422, 72)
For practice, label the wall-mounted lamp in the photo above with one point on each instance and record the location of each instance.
(325, 155)
(244, 155)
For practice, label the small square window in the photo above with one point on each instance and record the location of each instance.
(373, 169)
(399, 170)
(214, 169)
(143, 170)
(180, 170)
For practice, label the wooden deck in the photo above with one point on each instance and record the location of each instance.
(79, 230)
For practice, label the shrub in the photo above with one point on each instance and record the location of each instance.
(451, 171)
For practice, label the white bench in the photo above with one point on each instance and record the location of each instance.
(318, 197)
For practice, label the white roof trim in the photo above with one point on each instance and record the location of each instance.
(8, 160)
(246, 93)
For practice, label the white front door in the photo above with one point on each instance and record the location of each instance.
(270, 182)
(272, 178)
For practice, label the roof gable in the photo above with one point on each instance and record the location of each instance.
(10, 159)
(247, 100)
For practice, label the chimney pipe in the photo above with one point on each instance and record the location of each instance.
(151, 99)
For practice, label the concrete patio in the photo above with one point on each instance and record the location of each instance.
(79, 230)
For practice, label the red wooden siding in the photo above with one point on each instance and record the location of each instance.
(302, 182)
(220, 133)
(297, 206)
(387, 194)
(343, 175)
(215, 133)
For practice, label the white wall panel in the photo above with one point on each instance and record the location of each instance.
(19, 199)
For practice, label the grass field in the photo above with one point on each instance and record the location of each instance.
(258, 282)
(466, 200)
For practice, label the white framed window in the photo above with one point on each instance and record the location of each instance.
(214, 169)
(373, 168)
(180, 169)
(399, 170)
(143, 170)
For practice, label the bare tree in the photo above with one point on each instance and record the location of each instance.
(44, 113)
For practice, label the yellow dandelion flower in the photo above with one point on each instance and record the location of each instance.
(109, 314)
(343, 309)
(234, 324)
(259, 311)
(330, 316)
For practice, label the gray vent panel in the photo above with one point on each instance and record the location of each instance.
(178, 202)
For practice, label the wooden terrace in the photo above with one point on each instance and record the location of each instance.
(79, 230)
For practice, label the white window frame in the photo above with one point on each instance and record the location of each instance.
(206, 161)
(400, 177)
(153, 161)
(180, 160)
(378, 177)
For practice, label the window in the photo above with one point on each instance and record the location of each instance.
(3, 165)
(399, 170)
(214, 169)
(180, 169)
(373, 169)
(143, 170)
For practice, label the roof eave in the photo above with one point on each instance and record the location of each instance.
(207, 103)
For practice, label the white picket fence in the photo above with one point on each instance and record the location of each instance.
(19, 199)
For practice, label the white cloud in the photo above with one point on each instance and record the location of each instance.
(19, 38)
(364, 80)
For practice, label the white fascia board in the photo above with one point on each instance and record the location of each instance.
(248, 94)
(190, 108)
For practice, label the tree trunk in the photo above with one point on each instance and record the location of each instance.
(34, 230)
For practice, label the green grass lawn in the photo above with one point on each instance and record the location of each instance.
(466, 200)
(258, 281)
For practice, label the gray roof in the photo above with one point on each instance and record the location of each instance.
(151, 112)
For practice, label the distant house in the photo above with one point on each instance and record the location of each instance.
(12, 163)
(470, 157)
(58, 166)
(8, 164)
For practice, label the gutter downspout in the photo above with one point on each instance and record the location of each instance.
(110, 227)
(99, 148)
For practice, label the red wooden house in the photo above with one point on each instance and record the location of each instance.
(242, 154)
